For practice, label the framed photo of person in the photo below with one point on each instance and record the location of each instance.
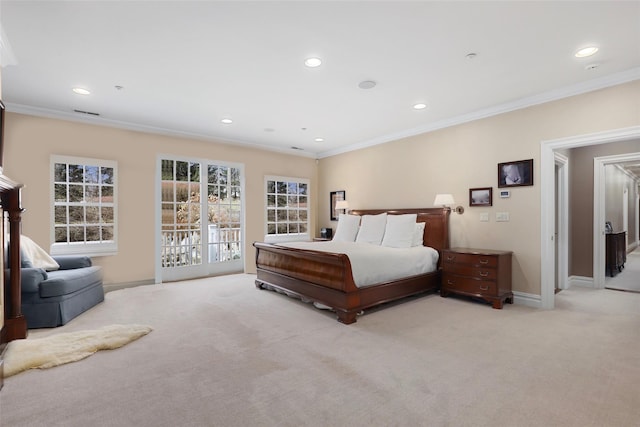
(515, 174)
(481, 196)
(334, 198)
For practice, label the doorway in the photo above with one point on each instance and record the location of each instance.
(548, 208)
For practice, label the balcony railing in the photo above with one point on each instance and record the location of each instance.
(185, 247)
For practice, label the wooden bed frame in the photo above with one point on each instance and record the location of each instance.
(326, 278)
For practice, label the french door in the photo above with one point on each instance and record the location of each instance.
(200, 220)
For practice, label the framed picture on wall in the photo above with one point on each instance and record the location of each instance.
(514, 174)
(481, 196)
(334, 198)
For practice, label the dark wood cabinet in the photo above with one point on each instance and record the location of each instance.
(480, 273)
(616, 252)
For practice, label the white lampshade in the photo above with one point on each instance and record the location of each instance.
(342, 204)
(444, 200)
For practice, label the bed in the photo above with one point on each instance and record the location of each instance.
(326, 278)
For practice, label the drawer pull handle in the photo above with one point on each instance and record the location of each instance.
(484, 273)
(451, 282)
(451, 257)
(484, 288)
(484, 261)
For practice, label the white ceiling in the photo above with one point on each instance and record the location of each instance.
(185, 65)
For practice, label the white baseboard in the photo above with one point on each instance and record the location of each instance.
(530, 300)
(117, 286)
(586, 282)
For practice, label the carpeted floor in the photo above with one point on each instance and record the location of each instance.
(223, 353)
(629, 278)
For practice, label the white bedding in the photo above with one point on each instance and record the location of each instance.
(373, 264)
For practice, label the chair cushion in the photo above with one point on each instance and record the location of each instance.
(62, 282)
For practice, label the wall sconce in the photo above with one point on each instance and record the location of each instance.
(342, 204)
(446, 200)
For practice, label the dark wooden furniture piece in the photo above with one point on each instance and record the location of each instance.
(480, 273)
(327, 278)
(616, 252)
(14, 324)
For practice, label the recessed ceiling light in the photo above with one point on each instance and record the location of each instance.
(319, 139)
(312, 62)
(471, 55)
(419, 106)
(367, 84)
(227, 121)
(586, 51)
(81, 91)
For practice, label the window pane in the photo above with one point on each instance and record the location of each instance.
(271, 201)
(194, 172)
(271, 187)
(293, 201)
(60, 213)
(302, 215)
(235, 176)
(106, 175)
(92, 193)
(293, 228)
(76, 173)
(271, 229)
(60, 192)
(167, 192)
(107, 233)
(282, 201)
(282, 215)
(282, 228)
(281, 187)
(93, 215)
(60, 172)
(292, 188)
(61, 234)
(76, 193)
(224, 175)
(93, 234)
(76, 215)
(293, 215)
(107, 194)
(302, 189)
(182, 171)
(168, 213)
(167, 170)
(91, 174)
(182, 192)
(107, 215)
(76, 234)
(302, 202)
(271, 215)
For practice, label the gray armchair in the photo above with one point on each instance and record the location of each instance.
(53, 298)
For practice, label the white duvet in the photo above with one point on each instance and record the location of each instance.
(373, 264)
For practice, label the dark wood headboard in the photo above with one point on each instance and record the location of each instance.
(436, 229)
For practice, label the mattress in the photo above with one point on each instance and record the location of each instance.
(373, 264)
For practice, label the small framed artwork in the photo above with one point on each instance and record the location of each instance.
(514, 174)
(334, 198)
(505, 194)
(481, 196)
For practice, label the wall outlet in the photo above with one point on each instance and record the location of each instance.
(484, 216)
(502, 216)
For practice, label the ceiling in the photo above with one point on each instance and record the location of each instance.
(180, 67)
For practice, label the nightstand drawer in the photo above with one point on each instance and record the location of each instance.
(468, 285)
(471, 259)
(487, 273)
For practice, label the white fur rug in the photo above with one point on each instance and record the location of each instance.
(67, 347)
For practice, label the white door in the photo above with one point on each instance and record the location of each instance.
(201, 218)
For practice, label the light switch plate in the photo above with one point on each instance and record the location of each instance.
(484, 216)
(502, 216)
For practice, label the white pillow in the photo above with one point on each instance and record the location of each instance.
(418, 234)
(372, 229)
(399, 231)
(39, 257)
(347, 228)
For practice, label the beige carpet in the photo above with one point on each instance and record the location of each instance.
(223, 353)
(67, 347)
(629, 278)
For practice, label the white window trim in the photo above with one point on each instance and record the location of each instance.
(83, 248)
(279, 238)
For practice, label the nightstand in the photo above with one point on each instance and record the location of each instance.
(480, 273)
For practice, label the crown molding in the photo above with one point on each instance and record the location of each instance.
(554, 95)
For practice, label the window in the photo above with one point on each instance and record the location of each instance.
(287, 208)
(84, 210)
